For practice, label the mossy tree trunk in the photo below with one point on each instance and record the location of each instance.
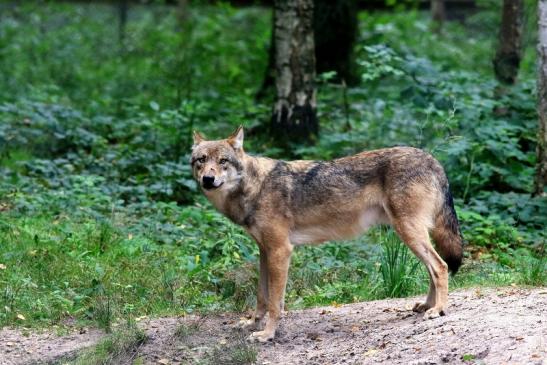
(541, 174)
(509, 52)
(294, 115)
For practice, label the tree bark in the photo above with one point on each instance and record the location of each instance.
(541, 172)
(335, 27)
(438, 14)
(294, 115)
(509, 52)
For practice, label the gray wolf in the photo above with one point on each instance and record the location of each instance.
(283, 204)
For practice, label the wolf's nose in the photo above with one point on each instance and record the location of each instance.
(208, 182)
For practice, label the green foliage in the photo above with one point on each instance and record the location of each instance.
(533, 270)
(398, 267)
(235, 352)
(116, 348)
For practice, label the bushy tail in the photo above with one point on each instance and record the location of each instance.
(447, 235)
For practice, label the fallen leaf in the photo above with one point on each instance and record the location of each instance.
(371, 352)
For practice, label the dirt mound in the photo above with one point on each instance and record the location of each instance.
(507, 325)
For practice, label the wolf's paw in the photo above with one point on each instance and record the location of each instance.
(433, 313)
(421, 307)
(261, 336)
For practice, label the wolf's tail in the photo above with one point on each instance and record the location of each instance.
(447, 235)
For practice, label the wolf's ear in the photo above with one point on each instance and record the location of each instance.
(236, 139)
(198, 138)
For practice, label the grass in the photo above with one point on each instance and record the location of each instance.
(119, 347)
(184, 330)
(238, 351)
(398, 267)
(57, 269)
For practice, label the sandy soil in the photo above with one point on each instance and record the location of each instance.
(488, 326)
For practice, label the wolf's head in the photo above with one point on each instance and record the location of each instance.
(217, 165)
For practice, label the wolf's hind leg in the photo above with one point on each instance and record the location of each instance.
(416, 237)
(421, 307)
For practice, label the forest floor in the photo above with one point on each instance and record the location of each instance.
(491, 326)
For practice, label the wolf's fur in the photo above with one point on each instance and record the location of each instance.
(282, 204)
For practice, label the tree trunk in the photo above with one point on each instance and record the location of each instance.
(508, 54)
(541, 174)
(438, 14)
(123, 8)
(294, 115)
(335, 27)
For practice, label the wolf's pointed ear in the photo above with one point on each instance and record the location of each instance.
(236, 139)
(198, 138)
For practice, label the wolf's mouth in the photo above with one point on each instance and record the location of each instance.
(212, 186)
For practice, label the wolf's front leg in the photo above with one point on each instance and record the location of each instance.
(262, 294)
(278, 259)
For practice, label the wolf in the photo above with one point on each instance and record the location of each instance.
(284, 204)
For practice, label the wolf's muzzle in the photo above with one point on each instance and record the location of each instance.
(208, 182)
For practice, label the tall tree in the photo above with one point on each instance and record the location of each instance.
(438, 14)
(509, 52)
(541, 175)
(294, 115)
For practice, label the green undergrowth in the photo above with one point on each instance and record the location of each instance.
(118, 347)
(57, 271)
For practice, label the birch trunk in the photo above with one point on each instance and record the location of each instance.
(541, 174)
(294, 115)
(508, 54)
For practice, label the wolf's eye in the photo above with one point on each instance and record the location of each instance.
(223, 161)
(201, 159)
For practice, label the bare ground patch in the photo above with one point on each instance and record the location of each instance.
(492, 326)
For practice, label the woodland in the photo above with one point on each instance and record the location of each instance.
(101, 221)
